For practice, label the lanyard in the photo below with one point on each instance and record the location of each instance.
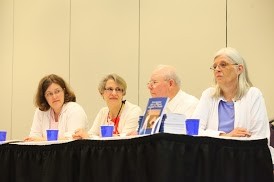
(116, 119)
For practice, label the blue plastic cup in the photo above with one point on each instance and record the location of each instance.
(52, 135)
(3, 135)
(192, 126)
(107, 130)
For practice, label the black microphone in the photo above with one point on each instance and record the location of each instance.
(124, 101)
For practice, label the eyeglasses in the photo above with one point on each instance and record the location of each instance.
(222, 65)
(110, 90)
(55, 92)
(152, 83)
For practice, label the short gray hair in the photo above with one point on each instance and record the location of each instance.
(116, 78)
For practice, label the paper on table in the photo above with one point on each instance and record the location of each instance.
(42, 142)
(115, 137)
(10, 141)
(174, 123)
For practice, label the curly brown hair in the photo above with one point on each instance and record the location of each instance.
(45, 82)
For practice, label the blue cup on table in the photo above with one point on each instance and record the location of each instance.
(192, 127)
(3, 135)
(52, 135)
(107, 130)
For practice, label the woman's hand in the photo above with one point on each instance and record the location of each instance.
(237, 132)
(32, 139)
(80, 134)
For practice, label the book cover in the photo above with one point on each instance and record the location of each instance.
(153, 115)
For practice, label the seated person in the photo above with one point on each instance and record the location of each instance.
(56, 109)
(164, 82)
(233, 107)
(121, 113)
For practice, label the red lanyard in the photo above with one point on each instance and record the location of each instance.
(116, 123)
(117, 119)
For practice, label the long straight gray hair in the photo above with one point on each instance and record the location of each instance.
(244, 82)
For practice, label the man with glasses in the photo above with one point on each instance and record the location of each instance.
(164, 82)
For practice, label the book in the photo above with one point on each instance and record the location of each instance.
(151, 121)
(173, 123)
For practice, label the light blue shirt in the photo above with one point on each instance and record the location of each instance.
(226, 116)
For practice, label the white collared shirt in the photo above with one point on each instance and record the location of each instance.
(182, 103)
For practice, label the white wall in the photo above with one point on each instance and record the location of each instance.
(104, 39)
(6, 58)
(251, 31)
(83, 40)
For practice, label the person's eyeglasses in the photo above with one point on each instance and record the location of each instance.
(55, 92)
(152, 83)
(110, 90)
(222, 65)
